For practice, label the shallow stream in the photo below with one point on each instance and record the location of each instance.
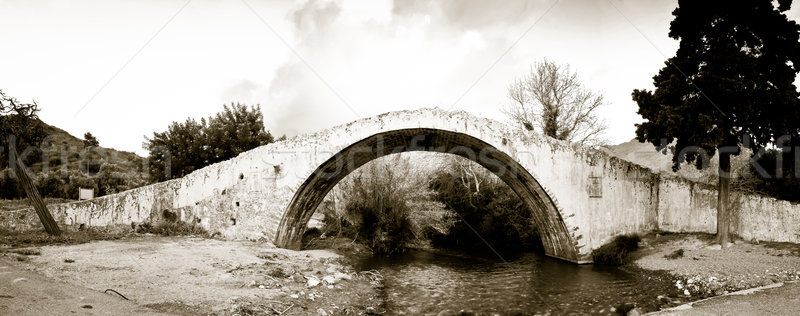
(425, 282)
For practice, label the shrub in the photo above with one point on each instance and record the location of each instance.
(617, 251)
(675, 254)
(485, 204)
(379, 211)
(77, 181)
(52, 186)
(172, 228)
(385, 205)
(185, 147)
(54, 162)
(9, 187)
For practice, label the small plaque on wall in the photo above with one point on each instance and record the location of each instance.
(595, 187)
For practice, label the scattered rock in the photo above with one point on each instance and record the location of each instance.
(342, 276)
(714, 247)
(638, 311)
(312, 281)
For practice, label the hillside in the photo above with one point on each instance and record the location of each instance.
(62, 164)
(646, 155)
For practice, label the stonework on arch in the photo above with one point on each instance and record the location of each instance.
(595, 195)
(556, 237)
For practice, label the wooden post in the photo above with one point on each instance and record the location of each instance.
(723, 211)
(34, 198)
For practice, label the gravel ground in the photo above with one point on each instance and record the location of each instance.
(196, 276)
(705, 270)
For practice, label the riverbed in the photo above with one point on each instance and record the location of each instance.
(432, 282)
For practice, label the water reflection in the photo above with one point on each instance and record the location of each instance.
(423, 282)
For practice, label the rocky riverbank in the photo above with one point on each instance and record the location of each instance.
(200, 276)
(702, 269)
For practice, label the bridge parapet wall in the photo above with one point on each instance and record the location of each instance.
(245, 197)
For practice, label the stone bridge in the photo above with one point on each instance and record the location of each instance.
(580, 197)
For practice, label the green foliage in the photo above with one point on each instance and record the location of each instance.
(732, 77)
(488, 210)
(191, 145)
(616, 252)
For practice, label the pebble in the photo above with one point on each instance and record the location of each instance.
(312, 282)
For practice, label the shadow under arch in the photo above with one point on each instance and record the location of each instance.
(556, 238)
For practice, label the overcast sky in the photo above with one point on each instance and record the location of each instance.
(124, 69)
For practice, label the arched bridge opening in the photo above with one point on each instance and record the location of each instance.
(555, 236)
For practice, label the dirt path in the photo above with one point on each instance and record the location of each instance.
(187, 275)
(24, 292)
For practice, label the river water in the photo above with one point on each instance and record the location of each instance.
(425, 282)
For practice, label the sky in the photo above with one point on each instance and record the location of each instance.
(125, 69)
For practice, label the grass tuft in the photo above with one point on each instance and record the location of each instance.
(172, 228)
(675, 254)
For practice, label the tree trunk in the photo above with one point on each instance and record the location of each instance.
(723, 194)
(35, 199)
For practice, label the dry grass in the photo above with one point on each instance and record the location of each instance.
(173, 228)
(22, 239)
(19, 204)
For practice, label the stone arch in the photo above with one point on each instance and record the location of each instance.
(556, 237)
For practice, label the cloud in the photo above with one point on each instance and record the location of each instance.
(243, 91)
(359, 59)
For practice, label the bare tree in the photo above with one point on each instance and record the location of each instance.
(17, 119)
(552, 100)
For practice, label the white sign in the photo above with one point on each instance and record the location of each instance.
(85, 194)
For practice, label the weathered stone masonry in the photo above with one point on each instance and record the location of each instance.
(591, 195)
